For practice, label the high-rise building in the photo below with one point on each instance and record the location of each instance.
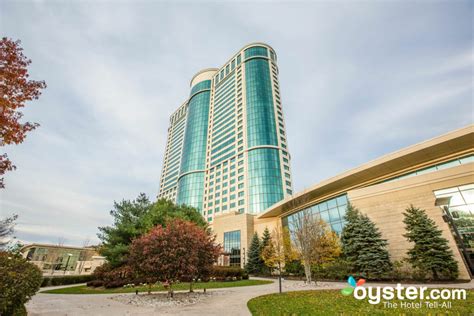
(227, 149)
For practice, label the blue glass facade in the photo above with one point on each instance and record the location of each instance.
(331, 211)
(265, 186)
(261, 126)
(232, 155)
(193, 160)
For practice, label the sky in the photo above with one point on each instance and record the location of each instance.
(358, 80)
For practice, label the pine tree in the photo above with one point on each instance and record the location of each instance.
(363, 246)
(373, 260)
(349, 235)
(255, 262)
(431, 253)
(266, 237)
(266, 240)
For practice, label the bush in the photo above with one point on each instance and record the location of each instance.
(336, 270)
(67, 279)
(221, 273)
(110, 277)
(19, 281)
(95, 283)
(294, 268)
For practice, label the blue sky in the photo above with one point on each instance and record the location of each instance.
(358, 80)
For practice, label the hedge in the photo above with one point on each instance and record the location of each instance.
(67, 279)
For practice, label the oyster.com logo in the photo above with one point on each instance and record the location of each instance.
(353, 284)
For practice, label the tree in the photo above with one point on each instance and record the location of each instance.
(276, 252)
(314, 241)
(255, 262)
(363, 246)
(20, 280)
(15, 90)
(128, 225)
(135, 218)
(180, 251)
(6, 230)
(266, 238)
(431, 253)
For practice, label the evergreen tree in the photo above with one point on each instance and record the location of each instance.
(431, 252)
(255, 262)
(266, 240)
(350, 247)
(363, 246)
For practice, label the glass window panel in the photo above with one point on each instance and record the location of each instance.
(323, 206)
(325, 216)
(332, 203)
(334, 214)
(467, 159)
(468, 196)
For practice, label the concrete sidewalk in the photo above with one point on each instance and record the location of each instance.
(232, 301)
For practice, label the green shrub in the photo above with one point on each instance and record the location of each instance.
(66, 279)
(221, 273)
(294, 268)
(336, 270)
(19, 281)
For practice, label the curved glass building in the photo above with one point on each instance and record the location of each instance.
(193, 158)
(227, 150)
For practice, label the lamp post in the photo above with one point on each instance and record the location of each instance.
(69, 255)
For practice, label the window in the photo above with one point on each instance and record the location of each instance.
(331, 211)
(241, 202)
(232, 246)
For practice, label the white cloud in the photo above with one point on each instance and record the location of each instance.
(116, 71)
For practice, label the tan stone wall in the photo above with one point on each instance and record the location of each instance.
(246, 223)
(385, 204)
(231, 222)
(262, 223)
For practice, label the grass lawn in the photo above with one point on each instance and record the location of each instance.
(332, 302)
(82, 289)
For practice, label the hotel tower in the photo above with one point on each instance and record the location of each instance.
(227, 148)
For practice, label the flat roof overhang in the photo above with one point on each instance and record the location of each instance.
(442, 148)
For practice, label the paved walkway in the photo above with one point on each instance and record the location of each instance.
(230, 301)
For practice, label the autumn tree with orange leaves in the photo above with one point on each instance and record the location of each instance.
(15, 90)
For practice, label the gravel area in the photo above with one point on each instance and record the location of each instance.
(163, 300)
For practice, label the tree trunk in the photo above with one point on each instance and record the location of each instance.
(191, 287)
(170, 291)
(279, 276)
(149, 288)
(307, 272)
